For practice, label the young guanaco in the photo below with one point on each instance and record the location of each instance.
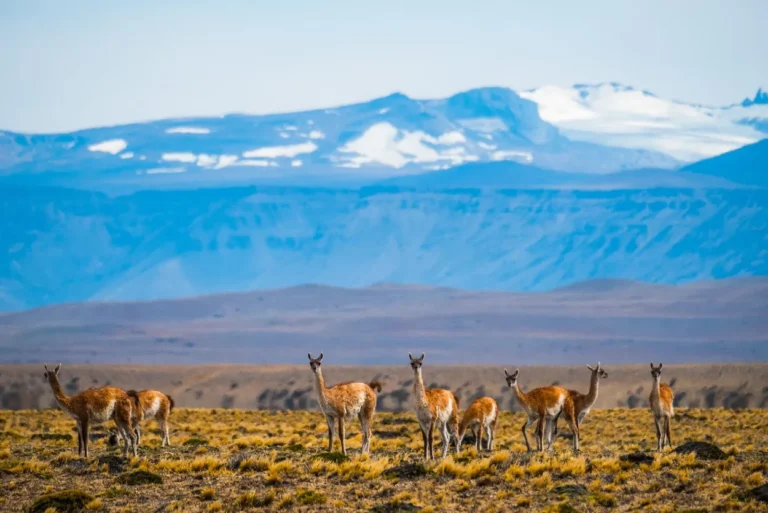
(480, 418)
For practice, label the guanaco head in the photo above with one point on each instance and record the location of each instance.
(416, 363)
(598, 371)
(511, 378)
(460, 440)
(655, 371)
(314, 363)
(51, 375)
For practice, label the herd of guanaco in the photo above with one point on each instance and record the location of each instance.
(435, 408)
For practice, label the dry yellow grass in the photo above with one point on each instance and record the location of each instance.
(231, 460)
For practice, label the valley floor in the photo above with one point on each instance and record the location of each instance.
(232, 460)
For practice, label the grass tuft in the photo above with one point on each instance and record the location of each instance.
(68, 501)
(140, 477)
(310, 497)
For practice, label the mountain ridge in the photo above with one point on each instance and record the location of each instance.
(387, 136)
(607, 320)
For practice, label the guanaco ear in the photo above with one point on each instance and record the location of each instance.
(590, 367)
(56, 370)
(651, 365)
(46, 367)
(309, 355)
(410, 356)
(320, 357)
(422, 357)
(660, 364)
(506, 373)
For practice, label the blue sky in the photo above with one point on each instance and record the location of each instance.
(70, 65)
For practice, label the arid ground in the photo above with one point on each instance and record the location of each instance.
(234, 460)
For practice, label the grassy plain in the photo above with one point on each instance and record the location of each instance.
(233, 460)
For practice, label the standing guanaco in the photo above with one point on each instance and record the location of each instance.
(345, 401)
(479, 417)
(583, 403)
(661, 400)
(152, 405)
(544, 405)
(434, 407)
(96, 406)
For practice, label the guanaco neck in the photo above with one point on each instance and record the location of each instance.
(58, 393)
(521, 397)
(656, 386)
(594, 384)
(418, 389)
(320, 388)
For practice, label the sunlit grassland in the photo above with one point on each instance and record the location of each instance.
(231, 460)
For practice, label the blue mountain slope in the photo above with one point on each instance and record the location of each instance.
(747, 165)
(67, 245)
(390, 136)
(511, 175)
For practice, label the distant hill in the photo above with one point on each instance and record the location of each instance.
(616, 321)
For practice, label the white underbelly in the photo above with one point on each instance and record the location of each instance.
(104, 415)
(150, 412)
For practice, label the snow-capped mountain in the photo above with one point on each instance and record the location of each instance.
(613, 114)
(495, 225)
(389, 136)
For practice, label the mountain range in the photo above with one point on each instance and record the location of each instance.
(593, 129)
(69, 245)
(486, 189)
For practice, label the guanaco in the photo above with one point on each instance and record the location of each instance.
(345, 401)
(661, 400)
(543, 405)
(479, 417)
(434, 407)
(583, 402)
(152, 404)
(96, 406)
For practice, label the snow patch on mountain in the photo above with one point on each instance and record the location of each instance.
(112, 146)
(188, 130)
(383, 143)
(165, 170)
(617, 115)
(520, 156)
(255, 163)
(281, 151)
(179, 157)
(225, 161)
